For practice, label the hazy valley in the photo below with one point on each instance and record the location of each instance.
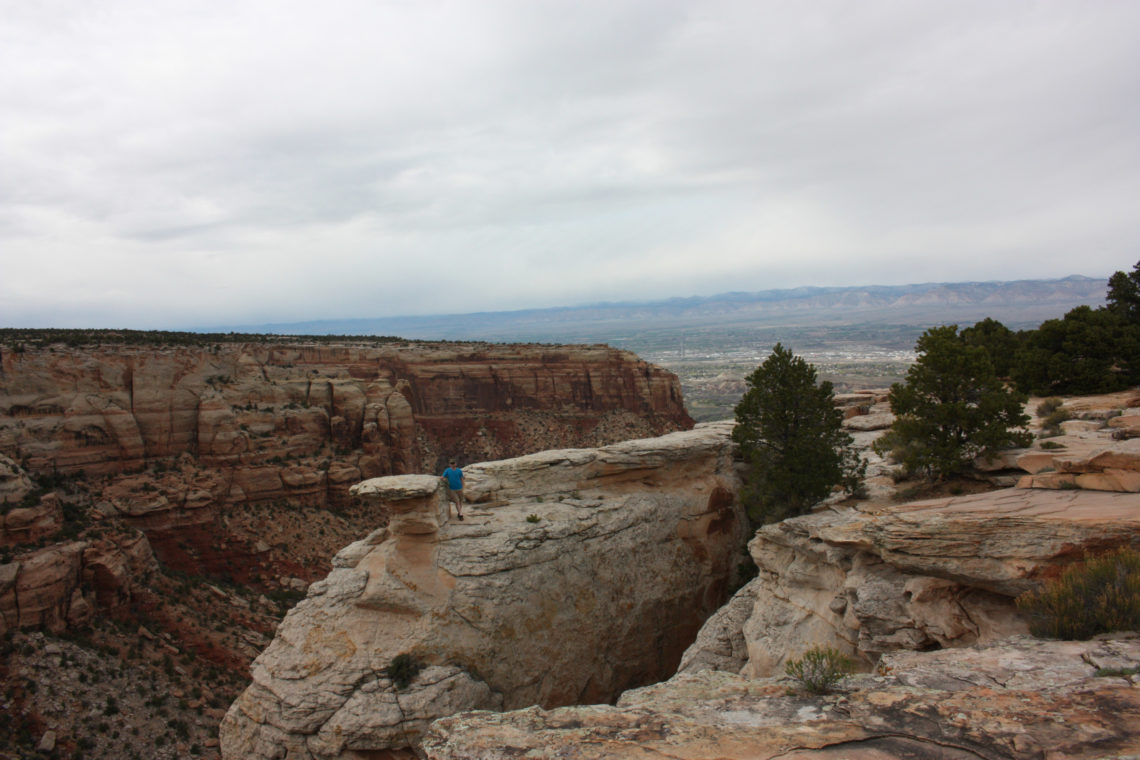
(858, 337)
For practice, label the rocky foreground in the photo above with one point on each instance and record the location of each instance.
(1019, 698)
(577, 575)
(921, 594)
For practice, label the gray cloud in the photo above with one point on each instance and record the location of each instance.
(171, 164)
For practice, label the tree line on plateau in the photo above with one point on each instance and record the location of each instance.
(963, 398)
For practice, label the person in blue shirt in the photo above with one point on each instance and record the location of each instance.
(453, 479)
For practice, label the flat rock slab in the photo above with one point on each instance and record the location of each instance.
(1019, 698)
(1069, 505)
(397, 487)
(591, 574)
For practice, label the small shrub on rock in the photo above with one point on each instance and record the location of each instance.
(403, 670)
(1054, 419)
(1100, 595)
(532, 518)
(820, 669)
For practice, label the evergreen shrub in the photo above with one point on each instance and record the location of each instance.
(1099, 595)
(820, 669)
(403, 670)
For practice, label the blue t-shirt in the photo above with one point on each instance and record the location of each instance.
(454, 477)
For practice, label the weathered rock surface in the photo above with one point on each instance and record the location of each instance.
(1116, 467)
(866, 410)
(192, 444)
(65, 584)
(1016, 699)
(14, 482)
(27, 525)
(938, 573)
(576, 575)
(245, 407)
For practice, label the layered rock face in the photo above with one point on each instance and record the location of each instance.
(66, 584)
(576, 575)
(245, 407)
(926, 575)
(188, 444)
(1020, 699)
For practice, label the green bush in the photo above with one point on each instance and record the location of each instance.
(1048, 406)
(1099, 595)
(532, 518)
(403, 670)
(1054, 419)
(820, 669)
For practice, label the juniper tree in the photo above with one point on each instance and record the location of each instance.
(952, 408)
(1124, 294)
(791, 437)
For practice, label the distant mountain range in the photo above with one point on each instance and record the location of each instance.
(1019, 304)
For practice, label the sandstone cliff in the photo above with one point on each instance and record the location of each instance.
(67, 584)
(918, 576)
(579, 574)
(398, 407)
(922, 595)
(1018, 699)
(188, 444)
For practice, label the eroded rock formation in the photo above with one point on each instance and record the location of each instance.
(1019, 699)
(245, 407)
(65, 584)
(926, 575)
(576, 575)
(189, 444)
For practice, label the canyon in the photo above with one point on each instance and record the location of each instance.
(194, 491)
(185, 444)
(168, 506)
(389, 408)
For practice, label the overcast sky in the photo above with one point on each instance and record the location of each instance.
(177, 164)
